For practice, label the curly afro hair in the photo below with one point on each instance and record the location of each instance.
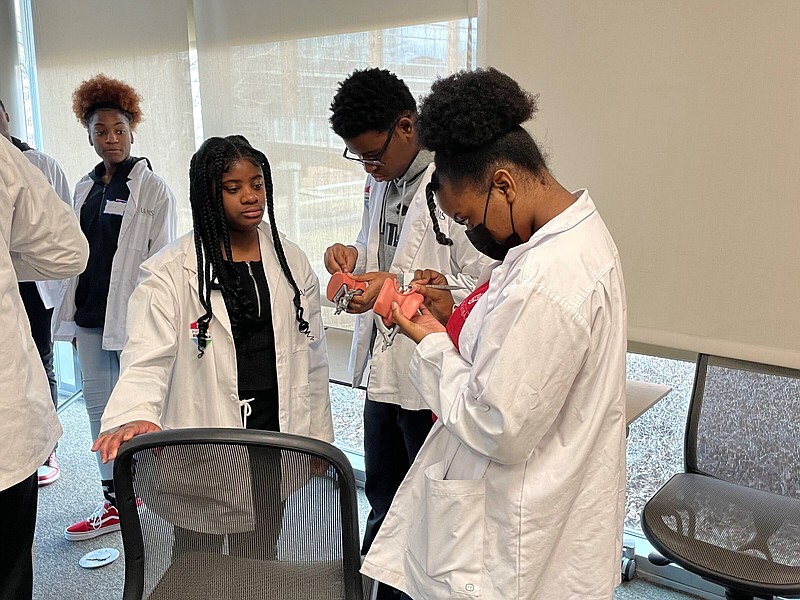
(104, 92)
(369, 100)
(472, 121)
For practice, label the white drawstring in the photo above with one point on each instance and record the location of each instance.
(248, 410)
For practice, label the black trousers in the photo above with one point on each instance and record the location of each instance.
(40, 318)
(261, 542)
(392, 439)
(265, 467)
(18, 522)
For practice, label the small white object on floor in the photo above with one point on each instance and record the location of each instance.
(99, 558)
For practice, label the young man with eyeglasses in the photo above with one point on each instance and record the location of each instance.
(374, 112)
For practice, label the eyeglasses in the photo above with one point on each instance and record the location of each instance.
(376, 160)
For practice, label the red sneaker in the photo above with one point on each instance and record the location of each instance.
(104, 519)
(49, 471)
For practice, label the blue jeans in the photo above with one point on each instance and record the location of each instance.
(100, 370)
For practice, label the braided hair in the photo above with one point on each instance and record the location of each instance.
(430, 190)
(212, 235)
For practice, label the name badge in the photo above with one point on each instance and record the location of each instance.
(115, 207)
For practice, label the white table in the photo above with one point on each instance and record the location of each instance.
(640, 396)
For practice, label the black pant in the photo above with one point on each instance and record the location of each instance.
(40, 318)
(392, 439)
(18, 522)
(261, 542)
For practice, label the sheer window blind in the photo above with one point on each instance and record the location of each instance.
(75, 41)
(278, 93)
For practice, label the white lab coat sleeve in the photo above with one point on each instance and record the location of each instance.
(363, 237)
(60, 184)
(149, 354)
(46, 241)
(501, 406)
(164, 220)
(321, 423)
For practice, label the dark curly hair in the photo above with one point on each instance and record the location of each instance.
(370, 100)
(472, 121)
(104, 92)
(211, 233)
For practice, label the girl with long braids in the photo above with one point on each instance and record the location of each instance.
(519, 489)
(127, 213)
(225, 326)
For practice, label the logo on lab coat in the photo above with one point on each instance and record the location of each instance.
(195, 331)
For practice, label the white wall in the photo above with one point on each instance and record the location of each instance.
(682, 119)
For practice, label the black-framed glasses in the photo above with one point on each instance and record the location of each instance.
(376, 160)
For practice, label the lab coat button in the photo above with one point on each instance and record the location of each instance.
(234, 398)
(469, 587)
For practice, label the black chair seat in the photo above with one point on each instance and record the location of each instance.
(211, 576)
(733, 517)
(730, 534)
(229, 514)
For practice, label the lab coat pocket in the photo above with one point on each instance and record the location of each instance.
(447, 538)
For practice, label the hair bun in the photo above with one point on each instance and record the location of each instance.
(472, 108)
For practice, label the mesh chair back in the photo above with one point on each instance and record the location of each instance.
(231, 514)
(744, 425)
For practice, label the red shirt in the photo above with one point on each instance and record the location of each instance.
(456, 322)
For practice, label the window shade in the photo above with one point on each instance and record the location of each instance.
(256, 21)
(278, 94)
(124, 40)
(681, 118)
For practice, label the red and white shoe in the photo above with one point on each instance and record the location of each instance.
(104, 519)
(49, 471)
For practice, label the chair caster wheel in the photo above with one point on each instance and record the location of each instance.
(628, 568)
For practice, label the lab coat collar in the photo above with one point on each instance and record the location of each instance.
(582, 208)
(264, 239)
(271, 270)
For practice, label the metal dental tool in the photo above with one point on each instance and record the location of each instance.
(342, 288)
(439, 286)
(387, 333)
(343, 296)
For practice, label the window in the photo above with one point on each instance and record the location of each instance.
(655, 440)
(201, 80)
(278, 94)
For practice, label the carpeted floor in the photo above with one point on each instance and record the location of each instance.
(57, 573)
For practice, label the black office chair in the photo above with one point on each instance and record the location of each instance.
(227, 514)
(734, 516)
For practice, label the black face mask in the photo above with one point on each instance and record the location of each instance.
(482, 239)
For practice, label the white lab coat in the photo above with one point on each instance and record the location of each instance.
(39, 239)
(518, 492)
(50, 291)
(148, 225)
(163, 381)
(417, 248)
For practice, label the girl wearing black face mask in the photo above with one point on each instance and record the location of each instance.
(527, 374)
(482, 239)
